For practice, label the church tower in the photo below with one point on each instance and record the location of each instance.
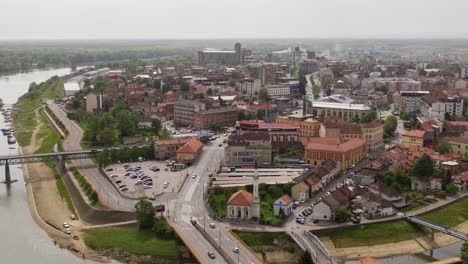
(256, 198)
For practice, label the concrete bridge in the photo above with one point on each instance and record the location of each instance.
(54, 156)
(436, 227)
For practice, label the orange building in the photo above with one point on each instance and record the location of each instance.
(346, 151)
(308, 127)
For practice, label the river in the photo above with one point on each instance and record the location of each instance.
(22, 240)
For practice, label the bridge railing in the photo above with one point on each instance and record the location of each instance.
(320, 247)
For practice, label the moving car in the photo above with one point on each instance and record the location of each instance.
(165, 184)
(212, 225)
(236, 250)
(194, 176)
(211, 255)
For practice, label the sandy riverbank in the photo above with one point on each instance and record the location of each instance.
(413, 246)
(47, 208)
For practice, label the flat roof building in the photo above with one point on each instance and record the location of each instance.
(71, 88)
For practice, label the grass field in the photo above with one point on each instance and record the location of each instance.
(450, 216)
(375, 234)
(253, 239)
(132, 241)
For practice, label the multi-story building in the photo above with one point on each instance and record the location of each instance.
(373, 134)
(393, 84)
(413, 138)
(251, 87)
(246, 148)
(410, 101)
(184, 111)
(93, 102)
(346, 112)
(440, 107)
(308, 66)
(277, 132)
(224, 57)
(331, 126)
(164, 149)
(223, 116)
(459, 145)
(464, 71)
(345, 151)
(308, 127)
(280, 90)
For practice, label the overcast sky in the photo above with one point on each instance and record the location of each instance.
(176, 19)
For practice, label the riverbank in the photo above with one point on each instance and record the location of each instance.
(48, 209)
(397, 238)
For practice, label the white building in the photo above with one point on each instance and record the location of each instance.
(323, 211)
(71, 88)
(278, 90)
(284, 203)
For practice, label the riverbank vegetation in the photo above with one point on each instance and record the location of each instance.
(382, 233)
(23, 55)
(132, 240)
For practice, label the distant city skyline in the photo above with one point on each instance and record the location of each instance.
(215, 19)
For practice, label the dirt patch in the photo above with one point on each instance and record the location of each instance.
(125, 257)
(288, 253)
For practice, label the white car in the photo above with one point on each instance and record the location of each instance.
(165, 184)
(146, 186)
(139, 182)
(212, 225)
(194, 176)
(66, 225)
(68, 231)
(114, 176)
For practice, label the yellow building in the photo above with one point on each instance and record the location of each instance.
(308, 127)
(413, 138)
(300, 191)
(459, 145)
(373, 134)
(346, 151)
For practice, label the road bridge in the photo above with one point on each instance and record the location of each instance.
(54, 156)
(437, 227)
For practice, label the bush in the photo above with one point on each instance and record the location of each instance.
(451, 189)
(441, 194)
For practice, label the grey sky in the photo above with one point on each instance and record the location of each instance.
(52, 19)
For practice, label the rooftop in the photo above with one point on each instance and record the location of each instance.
(241, 198)
(360, 107)
(414, 133)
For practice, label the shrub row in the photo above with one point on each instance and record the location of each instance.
(85, 186)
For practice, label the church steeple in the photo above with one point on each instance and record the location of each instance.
(256, 197)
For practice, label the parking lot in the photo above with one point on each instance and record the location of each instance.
(132, 183)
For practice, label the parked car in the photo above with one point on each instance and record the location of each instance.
(165, 184)
(68, 231)
(139, 182)
(151, 197)
(145, 186)
(194, 176)
(109, 169)
(66, 225)
(212, 225)
(118, 181)
(236, 250)
(124, 189)
(114, 176)
(211, 255)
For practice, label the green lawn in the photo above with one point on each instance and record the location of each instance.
(253, 239)
(374, 234)
(132, 241)
(47, 136)
(450, 216)
(414, 208)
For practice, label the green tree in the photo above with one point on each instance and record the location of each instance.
(464, 252)
(315, 91)
(369, 116)
(156, 125)
(443, 146)
(184, 87)
(306, 258)
(144, 211)
(157, 84)
(161, 228)
(106, 136)
(209, 92)
(423, 167)
(341, 214)
(390, 125)
(166, 87)
(232, 83)
(260, 114)
(263, 95)
(241, 115)
(404, 116)
(451, 189)
(126, 123)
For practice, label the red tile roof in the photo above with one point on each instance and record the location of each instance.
(286, 199)
(241, 198)
(192, 146)
(414, 133)
(338, 146)
(461, 176)
(373, 124)
(463, 140)
(368, 260)
(172, 141)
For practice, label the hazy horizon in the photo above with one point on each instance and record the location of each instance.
(223, 19)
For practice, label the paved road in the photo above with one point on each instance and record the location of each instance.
(187, 203)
